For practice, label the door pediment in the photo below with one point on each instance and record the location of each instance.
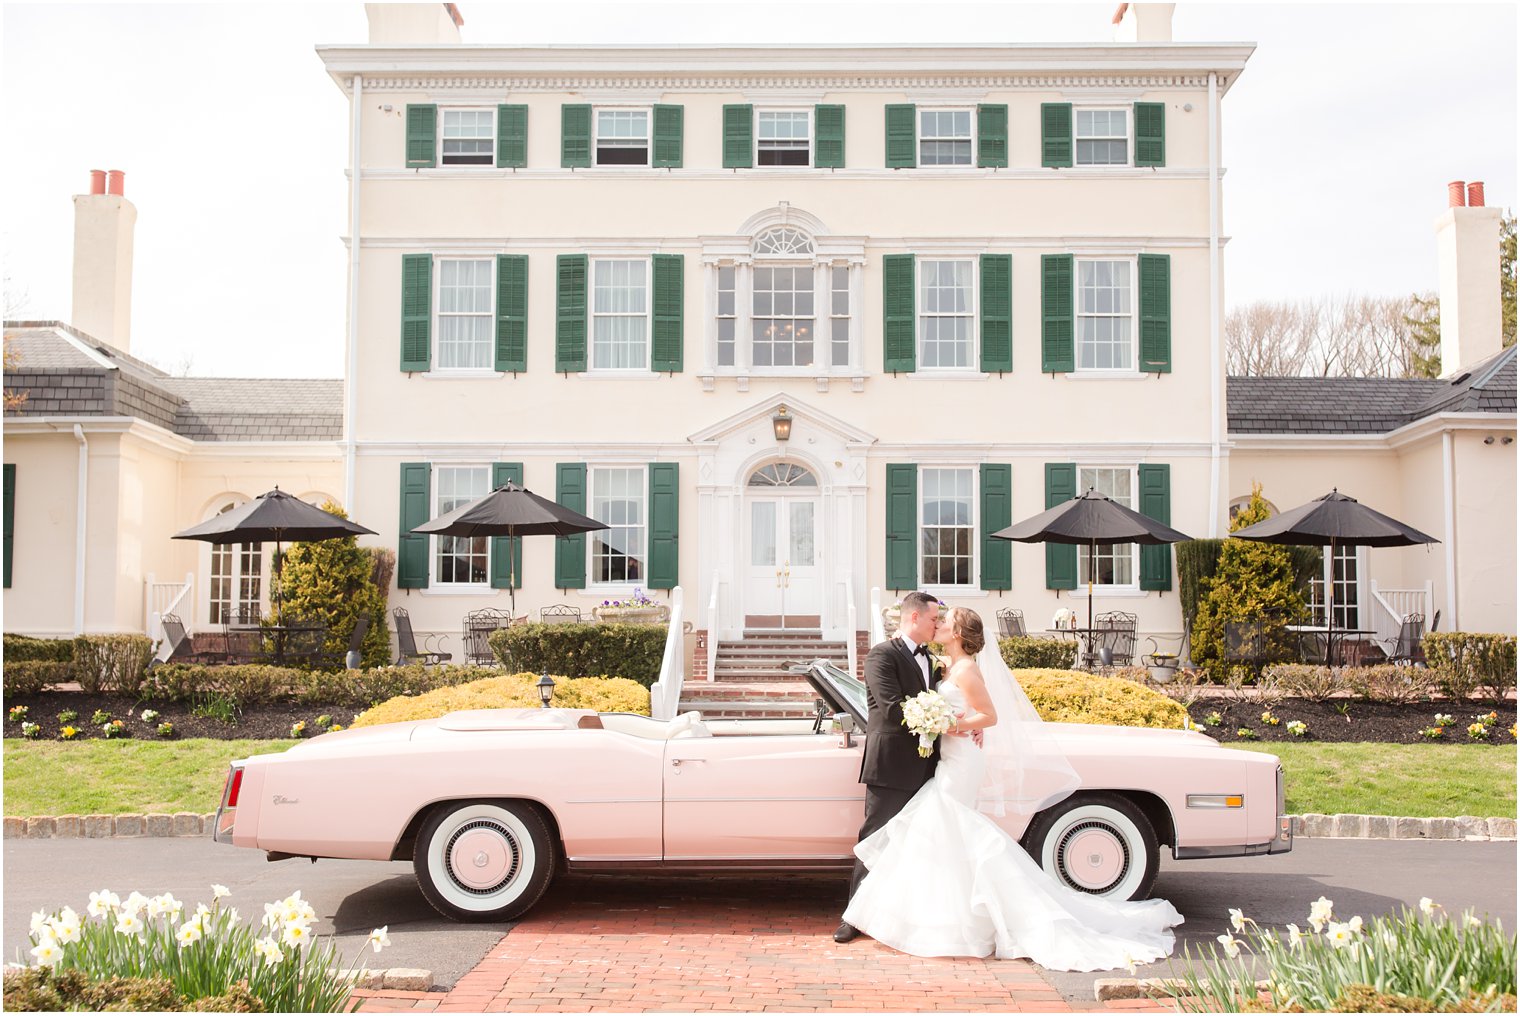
(814, 422)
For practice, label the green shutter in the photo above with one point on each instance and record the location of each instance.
(1150, 134)
(1055, 135)
(1060, 558)
(512, 312)
(902, 136)
(575, 135)
(738, 137)
(1058, 309)
(10, 518)
(412, 551)
(667, 332)
(997, 313)
(902, 526)
(506, 548)
(1156, 313)
(668, 126)
(997, 513)
(992, 136)
(511, 137)
(570, 551)
(421, 136)
(416, 311)
(1156, 503)
(899, 327)
(828, 137)
(570, 313)
(664, 525)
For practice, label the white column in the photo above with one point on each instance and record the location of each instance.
(823, 353)
(744, 285)
(857, 298)
(709, 333)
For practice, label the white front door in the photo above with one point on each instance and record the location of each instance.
(782, 568)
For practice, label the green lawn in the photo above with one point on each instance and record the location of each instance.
(99, 777)
(111, 777)
(1397, 779)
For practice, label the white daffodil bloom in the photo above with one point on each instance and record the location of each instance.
(135, 903)
(1128, 963)
(1428, 906)
(39, 922)
(296, 934)
(1237, 919)
(1320, 912)
(128, 923)
(271, 915)
(232, 915)
(269, 950)
(1355, 924)
(379, 939)
(189, 933)
(218, 891)
(1295, 937)
(47, 952)
(65, 927)
(1231, 945)
(202, 911)
(1471, 920)
(1340, 934)
(103, 902)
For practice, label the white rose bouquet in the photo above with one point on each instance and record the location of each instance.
(928, 715)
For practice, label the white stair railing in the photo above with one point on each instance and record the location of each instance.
(1391, 606)
(160, 598)
(877, 625)
(665, 694)
(849, 623)
(712, 627)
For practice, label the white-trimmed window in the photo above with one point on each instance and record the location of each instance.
(468, 137)
(839, 314)
(945, 137)
(1102, 137)
(784, 137)
(1346, 576)
(460, 560)
(1115, 566)
(237, 577)
(622, 137)
(1105, 315)
(782, 316)
(946, 309)
(946, 526)
(466, 313)
(616, 498)
(620, 314)
(728, 306)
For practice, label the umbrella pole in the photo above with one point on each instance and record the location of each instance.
(1330, 609)
(511, 589)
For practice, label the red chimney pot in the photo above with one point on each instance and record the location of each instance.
(97, 181)
(1475, 194)
(1456, 194)
(116, 182)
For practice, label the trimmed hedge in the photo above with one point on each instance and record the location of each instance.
(28, 677)
(112, 663)
(249, 683)
(364, 688)
(1030, 651)
(583, 650)
(1073, 696)
(255, 683)
(1465, 663)
(23, 648)
(518, 691)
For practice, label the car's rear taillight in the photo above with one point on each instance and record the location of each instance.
(234, 786)
(226, 814)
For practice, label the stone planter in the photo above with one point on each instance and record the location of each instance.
(631, 615)
(1162, 668)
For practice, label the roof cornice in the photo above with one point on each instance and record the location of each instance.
(831, 67)
(1391, 440)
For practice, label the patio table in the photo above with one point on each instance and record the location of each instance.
(1331, 634)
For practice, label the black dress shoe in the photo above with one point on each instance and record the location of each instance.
(845, 932)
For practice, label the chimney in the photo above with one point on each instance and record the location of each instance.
(1467, 246)
(1143, 22)
(104, 221)
(413, 24)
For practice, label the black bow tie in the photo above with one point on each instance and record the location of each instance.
(921, 651)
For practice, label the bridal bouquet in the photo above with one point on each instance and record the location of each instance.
(928, 715)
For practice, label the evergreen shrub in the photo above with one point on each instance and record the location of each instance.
(111, 663)
(23, 648)
(1465, 663)
(333, 581)
(633, 651)
(28, 677)
(1073, 696)
(1023, 651)
(516, 691)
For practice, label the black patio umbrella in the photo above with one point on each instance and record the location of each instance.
(273, 516)
(510, 510)
(1334, 520)
(1094, 521)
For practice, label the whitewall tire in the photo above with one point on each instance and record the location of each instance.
(484, 860)
(1096, 843)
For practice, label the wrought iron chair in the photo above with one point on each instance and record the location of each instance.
(406, 642)
(243, 635)
(176, 645)
(560, 613)
(478, 626)
(355, 647)
(1406, 646)
(1244, 642)
(302, 642)
(1010, 623)
(1113, 640)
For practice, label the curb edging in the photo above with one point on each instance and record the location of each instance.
(1112, 989)
(98, 827)
(390, 979)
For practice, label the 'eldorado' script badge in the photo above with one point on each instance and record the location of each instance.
(282, 799)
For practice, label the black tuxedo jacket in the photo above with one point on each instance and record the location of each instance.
(891, 756)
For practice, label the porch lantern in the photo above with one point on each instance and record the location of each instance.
(781, 424)
(545, 688)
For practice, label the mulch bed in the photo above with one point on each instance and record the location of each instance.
(260, 722)
(1361, 721)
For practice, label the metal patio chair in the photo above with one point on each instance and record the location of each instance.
(406, 642)
(1010, 623)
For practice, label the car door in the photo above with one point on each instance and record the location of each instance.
(783, 798)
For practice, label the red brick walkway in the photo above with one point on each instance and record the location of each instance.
(627, 946)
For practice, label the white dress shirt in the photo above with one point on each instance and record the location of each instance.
(922, 659)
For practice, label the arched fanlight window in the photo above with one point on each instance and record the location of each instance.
(782, 474)
(783, 241)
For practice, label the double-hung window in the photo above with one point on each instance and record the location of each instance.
(469, 137)
(946, 527)
(1343, 573)
(620, 314)
(617, 498)
(946, 315)
(839, 314)
(728, 307)
(784, 138)
(1114, 565)
(460, 560)
(466, 311)
(1105, 315)
(782, 320)
(236, 584)
(622, 137)
(1102, 137)
(945, 137)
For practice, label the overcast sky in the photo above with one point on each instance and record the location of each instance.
(1338, 142)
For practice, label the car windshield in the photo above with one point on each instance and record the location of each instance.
(840, 688)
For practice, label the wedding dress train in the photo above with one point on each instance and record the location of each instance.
(945, 880)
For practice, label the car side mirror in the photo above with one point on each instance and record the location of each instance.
(844, 724)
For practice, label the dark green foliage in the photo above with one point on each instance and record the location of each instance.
(583, 650)
(247, 684)
(333, 581)
(1031, 652)
(19, 648)
(1507, 279)
(1466, 663)
(28, 677)
(364, 688)
(112, 663)
(257, 684)
(1197, 560)
(1424, 321)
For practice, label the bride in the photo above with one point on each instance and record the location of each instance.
(945, 880)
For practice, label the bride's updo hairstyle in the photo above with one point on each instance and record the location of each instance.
(968, 625)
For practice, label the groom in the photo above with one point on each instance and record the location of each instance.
(891, 767)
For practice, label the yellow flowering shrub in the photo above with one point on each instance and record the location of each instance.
(1072, 696)
(517, 691)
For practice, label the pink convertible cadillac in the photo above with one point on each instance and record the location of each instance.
(490, 804)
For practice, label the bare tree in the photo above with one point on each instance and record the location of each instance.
(1329, 336)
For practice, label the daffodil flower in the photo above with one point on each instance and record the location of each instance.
(1428, 907)
(378, 939)
(1128, 963)
(218, 891)
(297, 934)
(135, 903)
(47, 952)
(1340, 934)
(1320, 912)
(39, 922)
(1355, 924)
(128, 923)
(189, 933)
(103, 902)
(1231, 945)
(1471, 920)
(1295, 937)
(1237, 919)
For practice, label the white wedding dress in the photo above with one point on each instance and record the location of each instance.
(945, 880)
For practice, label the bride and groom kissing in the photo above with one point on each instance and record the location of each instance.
(935, 875)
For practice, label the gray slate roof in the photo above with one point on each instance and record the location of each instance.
(1366, 405)
(65, 372)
